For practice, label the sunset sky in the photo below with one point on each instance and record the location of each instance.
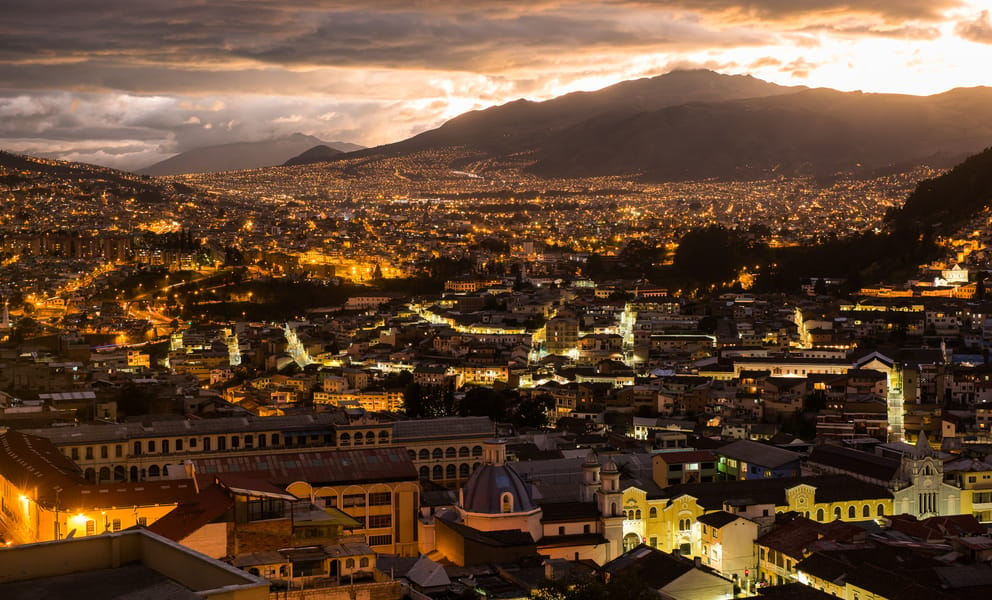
(129, 82)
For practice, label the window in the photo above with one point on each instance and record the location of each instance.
(586, 528)
(836, 512)
(350, 563)
(179, 445)
(151, 445)
(75, 454)
(880, 510)
(561, 530)
(89, 453)
(851, 512)
(116, 525)
(165, 446)
(865, 511)
(249, 441)
(235, 441)
(637, 514)
(653, 541)
(221, 443)
(363, 562)
(143, 521)
(380, 540)
(463, 451)
(477, 451)
(438, 472)
(425, 473)
(380, 498)
(153, 471)
(450, 452)
(90, 527)
(206, 444)
(376, 521)
(437, 453)
(354, 500)
(653, 513)
(261, 440)
(275, 439)
(451, 471)
(424, 454)
(506, 502)
(104, 452)
(819, 515)
(192, 443)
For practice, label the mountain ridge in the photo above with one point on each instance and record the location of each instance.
(699, 124)
(236, 156)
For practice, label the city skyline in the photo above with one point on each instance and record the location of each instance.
(127, 86)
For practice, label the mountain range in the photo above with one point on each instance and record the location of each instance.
(699, 124)
(241, 155)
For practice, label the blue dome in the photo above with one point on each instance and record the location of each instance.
(483, 492)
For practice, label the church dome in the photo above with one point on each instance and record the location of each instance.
(495, 488)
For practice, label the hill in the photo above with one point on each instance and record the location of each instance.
(317, 154)
(240, 155)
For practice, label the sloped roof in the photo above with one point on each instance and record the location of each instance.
(758, 454)
(332, 467)
(855, 461)
(426, 573)
(186, 518)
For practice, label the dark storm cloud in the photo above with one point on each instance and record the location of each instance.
(976, 30)
(486, 35)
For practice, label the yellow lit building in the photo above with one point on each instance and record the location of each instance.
(43, 495)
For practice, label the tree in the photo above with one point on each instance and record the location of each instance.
(532, 411)
(420, 401)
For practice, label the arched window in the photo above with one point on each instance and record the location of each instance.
(463, 470)
(425, 473)
(836, 512)
(412, 454)
(90, 475)
(350, 563)
(104, 474)
(613, 509)
(364, 562)
(383, 437)
(153, 471)
(358, 438)
(865, 511)
(851, 512)
(134, 474)
(477, 451)
(370, 438)
(653, 513)
(438, 472)
(450, 452)
(880, 511)
(463, 451)
(438, 453)
(637, 514)
(506, 502)
(450, 472)
(424, 454)
(819, 515)
(475, 466)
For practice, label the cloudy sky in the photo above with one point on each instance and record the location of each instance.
(129, 82)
